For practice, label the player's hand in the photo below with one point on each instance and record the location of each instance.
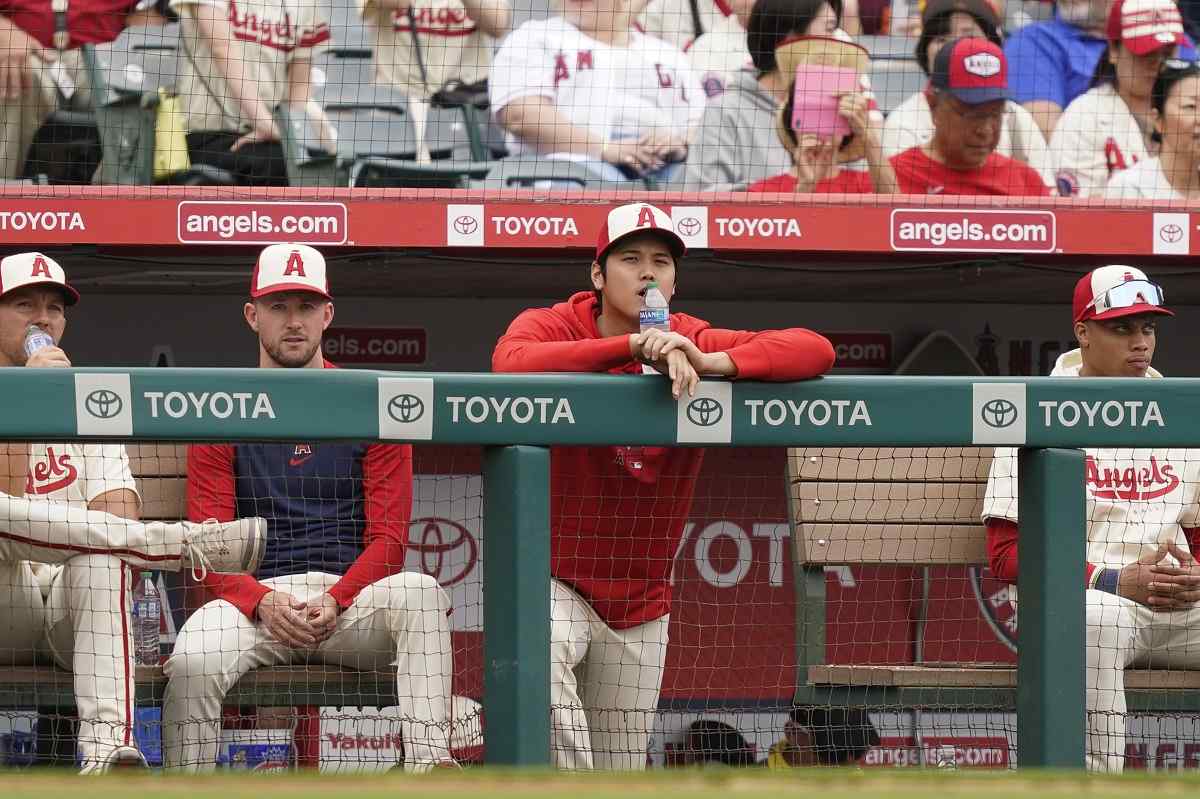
(322, 614)
(264, 130)
(1135, 579)
(667, 146)
(654, 344)
(16, 71)
(286, 620)
(632, 154)
(49, 358)
(676, 366)
(1175, 587)
(813, 159)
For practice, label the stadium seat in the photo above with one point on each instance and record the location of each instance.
(889, 48)
(393, 173)
(344, 75)
(895, 81)
(346, 26)
(528, 173)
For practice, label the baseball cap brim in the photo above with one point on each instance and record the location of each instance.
(1144, 45)
(1131, 310)
(979, 95)
(678, 248)
(70, 295)
(276, 288)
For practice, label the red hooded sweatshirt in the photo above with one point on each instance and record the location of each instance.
(617, 513)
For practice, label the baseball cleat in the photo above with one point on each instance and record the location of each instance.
(123, 757)
(234, 547)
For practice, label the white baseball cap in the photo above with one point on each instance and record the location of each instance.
(625, 220)
(1113, 291)
(289, 267)
(1144, 26)
(33, 269)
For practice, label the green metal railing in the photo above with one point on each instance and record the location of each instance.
(516, 417)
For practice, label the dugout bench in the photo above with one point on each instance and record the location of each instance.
(910, 507)
(161, 473)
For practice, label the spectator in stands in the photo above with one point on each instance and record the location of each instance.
(708, 741)
(1141, 579)
(242, 58)
(41, 69)
(332, 586)
(820, 164)
(1054, 62)
(911, 123)
(584, 86)
(736, 144)
(721, 52)
(1108, 128)
(69, 547)
(823, 736)
(617, 513)
(967, 93)
(421, 45)
(1175, 173)
(682, 22)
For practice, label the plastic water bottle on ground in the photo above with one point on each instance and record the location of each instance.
(653, 315)
(36, 339)
(147, 613)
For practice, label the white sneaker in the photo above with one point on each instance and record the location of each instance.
(119, 758)
(234, 547)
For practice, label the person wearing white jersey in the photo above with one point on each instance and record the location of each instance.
(68, 545)
(240, 59)
(911, 123)
(721, 52)
(683, 22)
(1175, 173)
(585, 86)
(1108, 128)
(1143, 516)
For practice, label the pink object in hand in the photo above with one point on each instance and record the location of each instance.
(815, 99)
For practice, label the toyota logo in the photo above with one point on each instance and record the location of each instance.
(445, 550)
(1170, 233)
(998, 413)
(405, 408)
(704, 411)
(466, 225)
(688, 226)
(103, 404)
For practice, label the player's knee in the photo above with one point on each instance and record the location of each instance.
(410, 591)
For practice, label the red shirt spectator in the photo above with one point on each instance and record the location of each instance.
(917, 173)
(88, 21)
(846, 181)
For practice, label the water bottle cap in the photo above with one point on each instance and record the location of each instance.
(653, 284)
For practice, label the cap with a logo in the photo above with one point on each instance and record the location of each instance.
(1143, 26)
(1110, 292)
(973, 70)
(626, 220)
(33, 269)
(289, 267)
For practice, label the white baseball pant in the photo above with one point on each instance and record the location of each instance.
(77, 614)
(401, 620)
(604, 685)
(1122, 633)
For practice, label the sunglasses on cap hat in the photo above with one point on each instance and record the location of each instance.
(1127, 295)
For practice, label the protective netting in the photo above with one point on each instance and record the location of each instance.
(826, 96)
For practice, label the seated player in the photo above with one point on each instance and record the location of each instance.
(68, 549)
(617, 513)
(823, 736)
(967, 92)
(331, 587)
(1143, 528)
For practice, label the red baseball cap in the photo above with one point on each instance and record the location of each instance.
(33, 269)
(973, 70)
(289, 267)
(625, 220)
(1111, 292)
(1144, 26)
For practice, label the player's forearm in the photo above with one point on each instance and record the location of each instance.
(218, 33)
(589, 355)
(883, 178)
(382, 558)
(538, 124)
(494, 17)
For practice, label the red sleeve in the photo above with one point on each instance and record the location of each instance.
(1193, 539)
(211, 494)
(1037, 186)
(537, 342)
(779, 355)
(387, 490)
(1002, 537)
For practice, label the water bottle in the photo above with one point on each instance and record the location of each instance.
(36, 339)
(653, 315)
(147, 611)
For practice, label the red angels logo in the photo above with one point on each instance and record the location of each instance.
(295, 265)
(48, 477)
(1136, 484)
(40, 268)
(645, 217)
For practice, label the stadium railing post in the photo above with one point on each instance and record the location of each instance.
(516, 605)
(1050, 661)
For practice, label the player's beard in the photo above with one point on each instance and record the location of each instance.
(275, 351)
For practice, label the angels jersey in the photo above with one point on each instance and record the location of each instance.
(671, 20)
(452, 46)
(615, 92)
(1136, 498)
(268, 36)
(718, 54)
(1096, 137)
